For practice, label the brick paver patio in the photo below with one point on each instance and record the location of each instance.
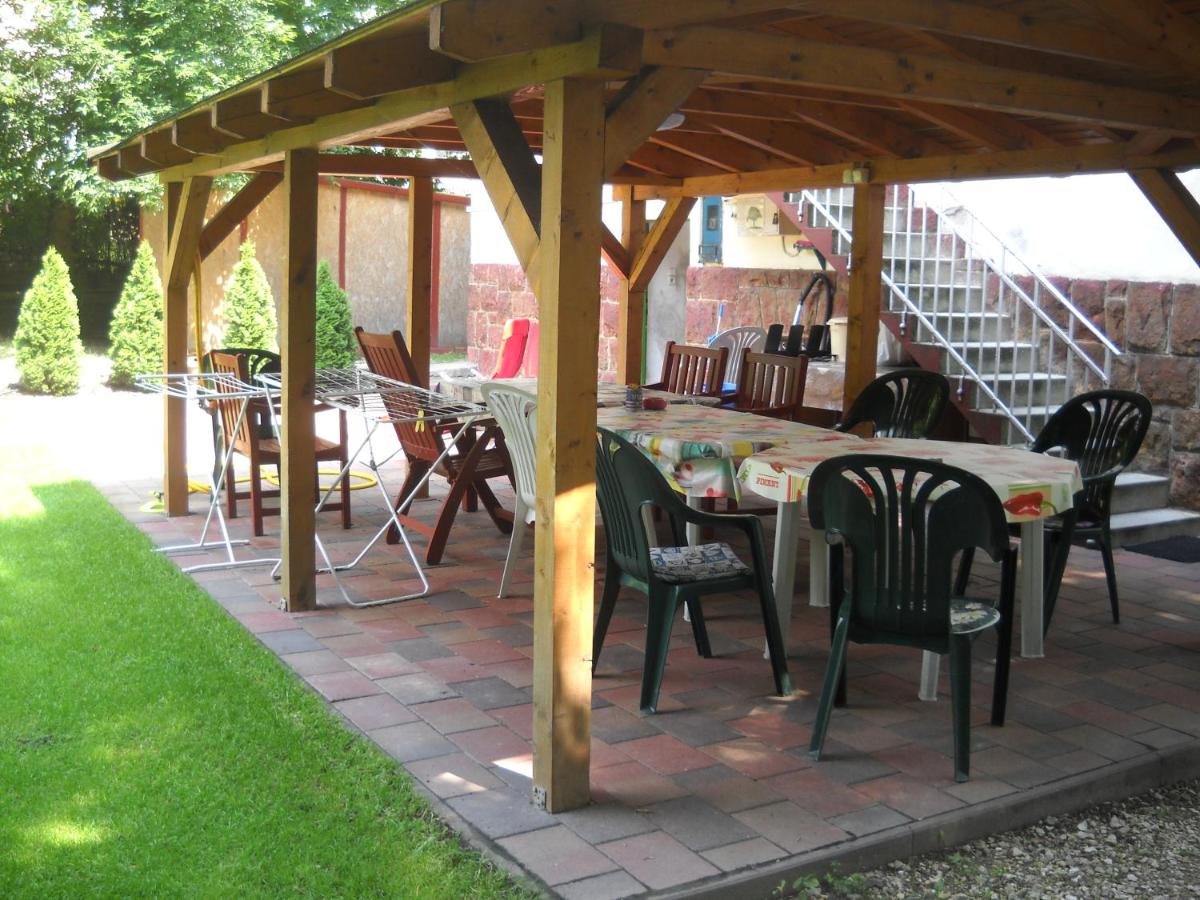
(716, 794)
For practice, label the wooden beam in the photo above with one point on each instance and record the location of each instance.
(631, 315)
(419, 301)
(786, 140)
(364, 164)
(907, 75)
(673, 13)
(196, 134)
(158, 148)
(302, 96)
(866, 289)
(509, 172)
(186, 204)
(654, 249)
(1080, 160)
(1027, 30)
(1169, 32)
(242, 116)
(641, 107)
(240, 205)
(993, 131)
(478, 29)
(564, 566)
(614, 251)
(1175, 203)
(130, 159)
(373, 68)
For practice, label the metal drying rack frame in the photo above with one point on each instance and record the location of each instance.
(208, 389)
(381, 401)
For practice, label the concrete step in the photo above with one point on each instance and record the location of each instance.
(1153, 524)
(970, 327)
(932, 269)
(1043, 389)
(1137, 491)
(988, 358)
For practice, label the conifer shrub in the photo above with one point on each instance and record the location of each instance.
(249, 307)
(135, 335)
(335, 336)
(47, 345)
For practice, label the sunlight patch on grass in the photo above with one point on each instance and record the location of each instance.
(67, 834)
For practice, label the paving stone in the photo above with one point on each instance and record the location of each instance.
(452, 715)
(817, 793)
(602, 822)
(449, 601)
(1105, 743)
(658, 860)
(665, 754)
(336, 686)
(453, 775)
(846, 765)
(329, 626)
(909, 796)
(694, 728)
(870, 820)
(725, 789)
(1161, 738)
(411, 741)
(613, 724)
(611, 886)
(516, 635)
(490, 745)
(418, 688)
(420, 649)
(294, 640)
(353, 645)
(491, 693)
(616, 658)
(1077, 761)
(697, 825)
(753, 852)
(500, 813)
(979, 789)
(383, 665)
(633, 785)
(315, 662)
(375, 711)
(1012, 767)
(754, 759)
(794, 829)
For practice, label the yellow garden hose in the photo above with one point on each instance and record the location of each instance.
(359, 481)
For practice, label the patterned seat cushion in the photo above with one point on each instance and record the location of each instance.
(967, 616)
(682, 564)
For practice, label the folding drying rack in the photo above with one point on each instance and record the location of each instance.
(381, 401)
(209, 388)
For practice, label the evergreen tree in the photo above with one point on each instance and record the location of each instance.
(335, 336)
(249, 306)
(136, 333)
(47, 343)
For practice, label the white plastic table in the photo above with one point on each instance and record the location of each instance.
(1031, 487)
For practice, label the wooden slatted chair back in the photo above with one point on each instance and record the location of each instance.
(387, 355)
(688, 369)
(235, 365)
(771, 384)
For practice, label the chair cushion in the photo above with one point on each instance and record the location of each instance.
(967, 616)
(683, 564)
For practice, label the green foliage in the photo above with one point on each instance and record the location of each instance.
(335, 336)
(135, 336)
(249, 306)
(47, 337)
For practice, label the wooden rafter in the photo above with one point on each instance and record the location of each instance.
(652, 251)
(641, 107)
(1164, 30)
(378, 67)
(1175, 203)
(240, 205)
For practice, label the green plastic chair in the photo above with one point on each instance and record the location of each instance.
(627, 481)
(904, 521)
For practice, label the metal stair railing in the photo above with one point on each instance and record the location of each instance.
(933, 272)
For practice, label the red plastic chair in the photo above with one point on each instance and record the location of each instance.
(529, 367)
(512, 348)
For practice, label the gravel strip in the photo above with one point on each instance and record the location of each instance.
(1146, 847)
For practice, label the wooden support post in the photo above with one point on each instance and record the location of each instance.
(420, 273)
(866, 252)
(631, 317)
(1175, 203)
(564, 566)
(298, 349)
(186, 204)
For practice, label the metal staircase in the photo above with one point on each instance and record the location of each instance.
(965, 304)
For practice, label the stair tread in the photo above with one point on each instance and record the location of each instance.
(1140, 479)
(1143, 517)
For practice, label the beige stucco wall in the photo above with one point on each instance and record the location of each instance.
(376, 258)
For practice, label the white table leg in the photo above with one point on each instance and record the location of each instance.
(693, 538)
(783, 574)
(929, 676)
(818, 569)
(648, 524)
(1029, 580)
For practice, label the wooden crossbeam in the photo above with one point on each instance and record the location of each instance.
(666, 228)
(196, 134)
(478, 29)
(158, 148)
(787, 140)
(930, 78)
(302, 96)
(1167, 31)
(130, 159)
(242, 116)
(614, 251)
(641, 107)
(394, 166)
(374, 68)
(996, 132)
(1175, 203)
(240, 205)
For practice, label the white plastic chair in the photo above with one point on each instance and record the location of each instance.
(739, 340)
(516, 411)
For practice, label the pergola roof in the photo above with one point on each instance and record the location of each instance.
(775, 94)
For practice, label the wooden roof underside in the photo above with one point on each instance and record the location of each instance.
(791, 93)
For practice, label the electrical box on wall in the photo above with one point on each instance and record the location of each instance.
(756, 215)
(711, 211)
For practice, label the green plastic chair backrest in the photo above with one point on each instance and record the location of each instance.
(625, 481)
(904, 521)
(1102, 431)
(906, 403)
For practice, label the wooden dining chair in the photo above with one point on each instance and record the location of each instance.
(254, 439)
(475, 458)
(771, 385)
(688, 369)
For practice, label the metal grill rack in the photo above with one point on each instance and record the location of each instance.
(382, 401)
(209, 388)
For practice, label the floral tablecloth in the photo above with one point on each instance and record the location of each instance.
(1030, 485)
(469, 389)
(699, 449)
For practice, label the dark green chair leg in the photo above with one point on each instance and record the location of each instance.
(964, 571)
(699, 631)
(608, 601)
(658, 637)
(1004, 629)
(776, 646)
(1110, 574)
(960, 700)
(833, 677)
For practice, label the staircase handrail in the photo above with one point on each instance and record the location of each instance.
(1074, 311)
(968, 371)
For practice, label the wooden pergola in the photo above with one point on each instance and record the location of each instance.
(775, 96)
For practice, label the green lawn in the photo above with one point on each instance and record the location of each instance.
(150, 747)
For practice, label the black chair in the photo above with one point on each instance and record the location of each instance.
(904, 521)
(774, 338)
(906, 403)
(670, 576)
(795, 340)
(1102, 431)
